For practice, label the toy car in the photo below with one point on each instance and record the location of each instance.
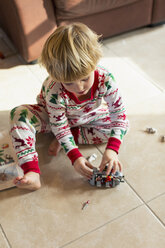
(100, 179)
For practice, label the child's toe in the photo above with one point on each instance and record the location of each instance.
(17, 179)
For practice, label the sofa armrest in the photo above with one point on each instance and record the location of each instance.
(28, 23)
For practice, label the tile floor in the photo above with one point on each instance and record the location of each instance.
(130, 215)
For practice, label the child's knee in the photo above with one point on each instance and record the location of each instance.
(19, 113)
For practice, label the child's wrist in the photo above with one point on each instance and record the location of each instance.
(111, 150)
(113, 144)
(74, 154)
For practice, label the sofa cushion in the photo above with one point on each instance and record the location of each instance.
(70, 9)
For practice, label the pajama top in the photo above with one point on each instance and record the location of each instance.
(65, 110)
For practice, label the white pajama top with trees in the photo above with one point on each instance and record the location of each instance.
(66, 111)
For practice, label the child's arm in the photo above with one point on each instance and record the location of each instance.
(119, 124)
(56, 107)
(57, 110)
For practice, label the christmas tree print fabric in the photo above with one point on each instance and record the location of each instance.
(66, 111)
(72, 121)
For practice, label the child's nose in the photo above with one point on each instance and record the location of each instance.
(80, 86)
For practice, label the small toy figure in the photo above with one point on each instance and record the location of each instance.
(101, 179)
(151, 130)
(98, 180)
(85, 204)
(92, 157)
(163, 138)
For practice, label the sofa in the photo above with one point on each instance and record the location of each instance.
(28, 23)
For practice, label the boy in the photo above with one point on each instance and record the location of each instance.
(70, 105)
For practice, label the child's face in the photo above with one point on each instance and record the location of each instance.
(80, 87)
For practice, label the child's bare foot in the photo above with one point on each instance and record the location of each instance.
(54, 148)
(30, 181)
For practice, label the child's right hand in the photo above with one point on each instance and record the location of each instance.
(83, 167)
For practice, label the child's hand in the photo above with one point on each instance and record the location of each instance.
(110, 158)
(83, 167)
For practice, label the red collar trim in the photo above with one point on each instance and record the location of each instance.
(93, 90)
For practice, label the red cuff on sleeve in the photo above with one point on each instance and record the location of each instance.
(113, 144)
(74, 154)
(31, 166)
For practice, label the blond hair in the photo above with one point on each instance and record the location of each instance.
(71, 52)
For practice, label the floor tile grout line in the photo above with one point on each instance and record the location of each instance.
(152, 199)
(136, 32)
(34, 75)
(145, 203)
(148, 79)
(112, 220)
(154, 83)
(108, 222)
(138, 71)
(101, 226)
(98, 149)
(5, 237)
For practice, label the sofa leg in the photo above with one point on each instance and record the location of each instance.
(152, 25)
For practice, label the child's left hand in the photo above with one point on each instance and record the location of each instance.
(110, 158)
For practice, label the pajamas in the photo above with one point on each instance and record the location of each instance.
(72, 121)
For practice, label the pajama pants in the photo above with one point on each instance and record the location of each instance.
(27, 120)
